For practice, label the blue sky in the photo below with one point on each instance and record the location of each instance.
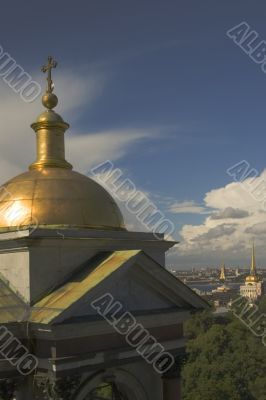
(168, 68)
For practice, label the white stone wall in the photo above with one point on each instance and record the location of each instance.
(14, 267)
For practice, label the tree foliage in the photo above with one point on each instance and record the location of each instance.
(225, 361)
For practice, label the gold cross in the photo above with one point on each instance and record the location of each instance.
(51, 64)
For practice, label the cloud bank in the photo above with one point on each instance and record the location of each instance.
(236, 218)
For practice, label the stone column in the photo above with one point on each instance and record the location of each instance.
(24, 389)
(172, 381)
(171, 388)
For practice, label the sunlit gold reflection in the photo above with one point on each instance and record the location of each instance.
(14, 213)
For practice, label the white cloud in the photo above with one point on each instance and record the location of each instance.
(238, 194)
(238, 217)
(87, 150)
(229, 213)
(187, 207)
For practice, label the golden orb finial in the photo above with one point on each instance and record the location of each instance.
(50, 128)
(49, 99)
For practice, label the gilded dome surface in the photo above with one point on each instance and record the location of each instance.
(50, 194)
(252, 278)
(57, 197)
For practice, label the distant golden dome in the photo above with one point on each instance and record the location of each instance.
(252, 278)
(57, 197)
(50, 194)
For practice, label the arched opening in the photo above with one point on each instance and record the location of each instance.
(107, 391)
(113, 384)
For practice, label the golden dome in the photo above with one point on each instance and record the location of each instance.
(54, 197)
(50, 194)
(252, 278)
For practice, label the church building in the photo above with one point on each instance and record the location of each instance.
(253, 287)
(88, 310)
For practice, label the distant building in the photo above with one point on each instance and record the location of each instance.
(253, 287)
(221, 296)
(221, 289)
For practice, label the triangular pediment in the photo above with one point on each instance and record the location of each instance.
(131, 277)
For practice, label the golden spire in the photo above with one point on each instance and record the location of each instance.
(222, 273)
(253, 276)
(253, 268)
(50, 128)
